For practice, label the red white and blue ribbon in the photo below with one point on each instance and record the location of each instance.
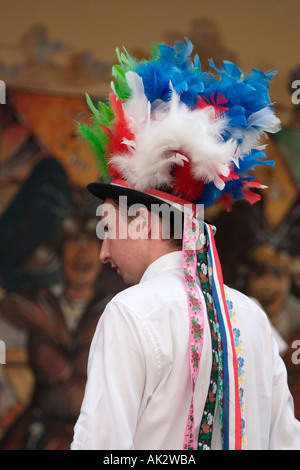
(232, 428)
(231, 411)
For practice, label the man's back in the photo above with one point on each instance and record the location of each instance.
(139, 390)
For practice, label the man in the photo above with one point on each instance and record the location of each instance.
(177, 360)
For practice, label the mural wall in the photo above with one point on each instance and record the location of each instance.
(52, 287)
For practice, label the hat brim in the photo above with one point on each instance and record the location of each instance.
(107, 190)
(114, 191)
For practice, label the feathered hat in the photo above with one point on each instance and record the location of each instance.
(172, 132)
(171, 127)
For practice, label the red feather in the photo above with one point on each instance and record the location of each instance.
(121, 129)
(217, 103)
(226, 201)
(202, 102)
(252, 184)
(185, 185)
(232, 176)
(250, 196)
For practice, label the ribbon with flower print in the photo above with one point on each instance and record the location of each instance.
(196, 316)
(216, 378)
(224, 383)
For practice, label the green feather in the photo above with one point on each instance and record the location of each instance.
(92, 107)
(97, 139)
(126, 60)
(121, 85)
(106, 113)
(95, 136)
(126, 63)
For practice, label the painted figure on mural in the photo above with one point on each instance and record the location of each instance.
(270, 275)
(263, 260)
(59, 319)
(270, 278)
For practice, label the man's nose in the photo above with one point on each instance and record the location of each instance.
(104, 256)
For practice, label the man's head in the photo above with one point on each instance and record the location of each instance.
(187, 138)
(134, 236)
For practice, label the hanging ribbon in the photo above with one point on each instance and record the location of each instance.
(232, 430)
(196, 317)
(223, 354)
(206, 425)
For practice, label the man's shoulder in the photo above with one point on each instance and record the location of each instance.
(152, 293)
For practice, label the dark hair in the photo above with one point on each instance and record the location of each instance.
(172, 226)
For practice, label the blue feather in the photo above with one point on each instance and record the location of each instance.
(183, 52)
(173, 68)
(173, 65)
(237, 116)
(231, 69)
(251, 160)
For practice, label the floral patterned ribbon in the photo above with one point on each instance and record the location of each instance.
(216, 378)
(201, 259)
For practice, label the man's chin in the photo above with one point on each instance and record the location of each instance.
(127, 281)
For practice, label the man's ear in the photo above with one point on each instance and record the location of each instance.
(146, 222)
(140, 225)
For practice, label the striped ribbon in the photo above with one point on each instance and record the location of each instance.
(232, 429)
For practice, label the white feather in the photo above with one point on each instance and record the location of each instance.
(172, 135)
(265, 119)
(259, 123)
(137, 107)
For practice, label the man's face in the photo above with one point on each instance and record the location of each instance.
(125, 254)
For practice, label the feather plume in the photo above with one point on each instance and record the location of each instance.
(173, 127)
(95, 136)
(177, 135)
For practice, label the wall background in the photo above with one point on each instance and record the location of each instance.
(51, 53)
(261, 33)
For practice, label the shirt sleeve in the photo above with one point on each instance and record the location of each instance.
(115, 384)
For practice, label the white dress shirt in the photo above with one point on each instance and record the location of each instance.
(138, 390)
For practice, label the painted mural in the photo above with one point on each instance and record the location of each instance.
(52, 287)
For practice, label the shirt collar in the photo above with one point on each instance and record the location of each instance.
(164, 263)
